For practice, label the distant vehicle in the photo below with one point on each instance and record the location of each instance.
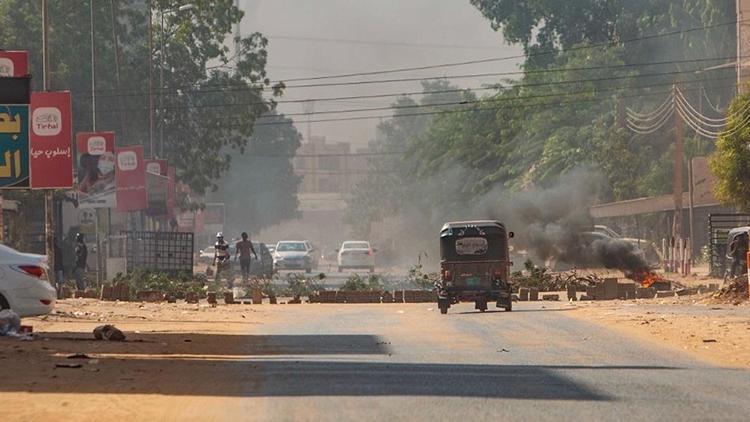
(294, 255)
(356, 255)
(207, 255)
(650, 252)
(474, 265)
(24, 286)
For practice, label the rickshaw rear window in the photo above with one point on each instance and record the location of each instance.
(474, 246)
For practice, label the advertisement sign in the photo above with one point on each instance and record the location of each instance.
(96, 169)
(14, 64)
(14, 146)
(51, 141)
(131, 179)
(157, 167)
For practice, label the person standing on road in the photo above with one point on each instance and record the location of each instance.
(244, 248)
(82, 255)
(59, 269)
(222, 259)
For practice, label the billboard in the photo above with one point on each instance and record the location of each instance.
(157, 167)
(131, 179)
(96, 169)
(14, 64)
(14, 146)
(51, 141)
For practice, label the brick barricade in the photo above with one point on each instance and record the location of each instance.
(419, 296)
(150, 296)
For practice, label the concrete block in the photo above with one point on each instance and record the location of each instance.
(665, 293)
(572, 294)
(585, 297)
(150, 296)
(551, 297)
(272, 300)
(523, 294)
(327, 296)
(611, 286)
(590, 293)
(121, 292)
(107, 293)
(645, 292)
(419, 296)
(171, 299)
(257, 296)
(533, 294)
(192, 297)
(398, 296)
(387, 297)
(211, 298)
(229, 298)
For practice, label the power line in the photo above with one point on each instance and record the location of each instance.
(452, 111)
(454, 103)
(383, 43)
(244, 87)
(497, 59)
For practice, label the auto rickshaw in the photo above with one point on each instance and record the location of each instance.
(735, 261)
(474, 265)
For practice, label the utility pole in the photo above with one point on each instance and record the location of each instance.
(93, 67)
(49, 195)
(150, 82)
(679, 152)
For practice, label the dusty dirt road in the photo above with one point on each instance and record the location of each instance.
(544, 361)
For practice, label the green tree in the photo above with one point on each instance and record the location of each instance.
(260, 188)
(209, 97)
(731, 160)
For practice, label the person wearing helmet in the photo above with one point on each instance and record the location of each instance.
(82, 254)
(244, 248)
(222, 258)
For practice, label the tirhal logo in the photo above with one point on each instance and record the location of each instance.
(47, 121)
(127, 161)
(97, 145)
(154, 168)
(6, 67)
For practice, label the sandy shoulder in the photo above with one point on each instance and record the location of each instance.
(715, 333)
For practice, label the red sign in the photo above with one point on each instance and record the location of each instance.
(131, 179)
(51, 141)
(96, 169)
(157, 167)
(14, 64)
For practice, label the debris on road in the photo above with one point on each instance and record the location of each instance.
(10, 323)
(79, 356)
(108, 332)
(68, 365)
(734, 290)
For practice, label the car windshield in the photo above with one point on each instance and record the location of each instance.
(291, 247)
(356, 245)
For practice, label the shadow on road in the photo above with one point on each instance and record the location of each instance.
(514, 311)
(226, 344)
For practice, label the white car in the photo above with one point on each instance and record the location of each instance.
(24, 286)
(356, 255)
(295, 255)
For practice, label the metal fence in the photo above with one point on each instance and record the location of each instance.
(169, 252)
(718, 228)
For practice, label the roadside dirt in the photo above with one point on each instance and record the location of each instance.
(172, 364)
(715, 332)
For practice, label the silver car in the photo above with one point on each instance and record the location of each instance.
(294, 255)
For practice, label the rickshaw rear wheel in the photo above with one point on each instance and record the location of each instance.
(443, 304)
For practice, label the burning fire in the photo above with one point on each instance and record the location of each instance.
(646, 278)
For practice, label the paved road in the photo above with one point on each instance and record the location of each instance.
(407, 362)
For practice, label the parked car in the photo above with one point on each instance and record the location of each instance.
(294, 255)
(24, 286)
(356, 255)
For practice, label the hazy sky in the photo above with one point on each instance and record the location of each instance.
(327, 37)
